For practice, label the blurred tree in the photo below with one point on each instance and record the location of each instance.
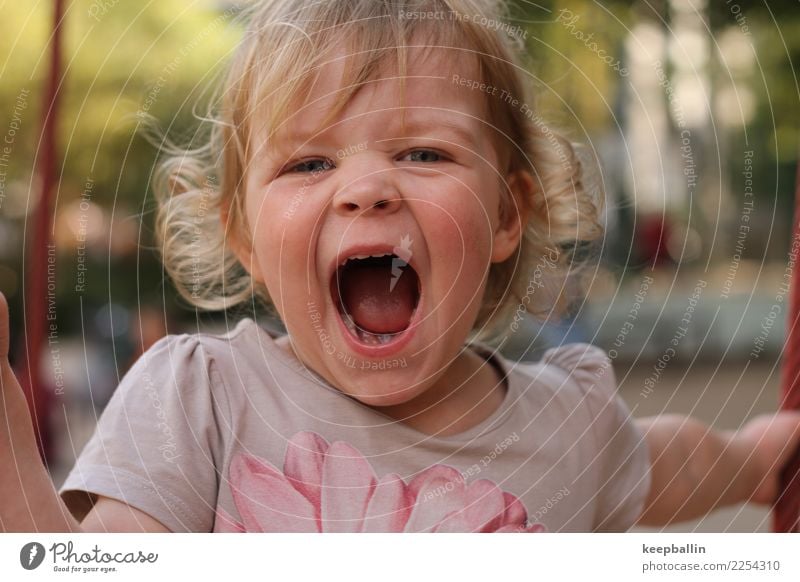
(122, 59)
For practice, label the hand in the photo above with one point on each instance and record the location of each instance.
(16, 427)
(766, 443)
(28, 499)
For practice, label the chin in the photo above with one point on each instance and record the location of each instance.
(381, 392)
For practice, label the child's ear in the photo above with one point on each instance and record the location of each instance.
(515, 218)
(239, 244)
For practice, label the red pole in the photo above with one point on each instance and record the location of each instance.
(35, 295)
(787, 508)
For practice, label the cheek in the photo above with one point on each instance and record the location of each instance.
(265, 228)
(463, 222)
(459, 238)
(280, 242)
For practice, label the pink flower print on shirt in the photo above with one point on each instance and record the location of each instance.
(333, 488)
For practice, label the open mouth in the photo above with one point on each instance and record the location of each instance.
(376, 297)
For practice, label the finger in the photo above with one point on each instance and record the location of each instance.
(790, 422)
(794, 417)
(4, 333)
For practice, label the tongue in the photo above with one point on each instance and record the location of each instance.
(372, 305)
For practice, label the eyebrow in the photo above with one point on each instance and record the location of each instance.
(415, 127)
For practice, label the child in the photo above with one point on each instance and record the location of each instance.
(378, 174)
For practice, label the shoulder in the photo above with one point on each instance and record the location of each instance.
(588, 365)
(575, 377)
(184, 379)
(185, 363)
(197, 349)
(582, 367)
(225, 363)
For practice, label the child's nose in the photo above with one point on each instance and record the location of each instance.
(373, 193)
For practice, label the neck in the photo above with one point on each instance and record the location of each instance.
(467, 393)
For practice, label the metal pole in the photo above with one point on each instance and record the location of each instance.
(786, 517)
(38, 243)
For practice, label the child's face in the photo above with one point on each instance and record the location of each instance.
(430, 197)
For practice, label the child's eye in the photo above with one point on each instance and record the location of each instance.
(423, 156)
(310, 166)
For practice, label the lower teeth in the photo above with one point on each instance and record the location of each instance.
(373, 339)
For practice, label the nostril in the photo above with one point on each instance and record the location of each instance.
(384, 204)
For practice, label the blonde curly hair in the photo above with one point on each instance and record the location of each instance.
(199, 191)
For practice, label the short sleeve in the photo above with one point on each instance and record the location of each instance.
(157, 442)
(620, 460)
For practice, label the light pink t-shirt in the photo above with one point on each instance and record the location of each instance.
(230, 433)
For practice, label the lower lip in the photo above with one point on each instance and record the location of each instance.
(385, 350)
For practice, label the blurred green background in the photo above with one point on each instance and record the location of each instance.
(730, 66)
